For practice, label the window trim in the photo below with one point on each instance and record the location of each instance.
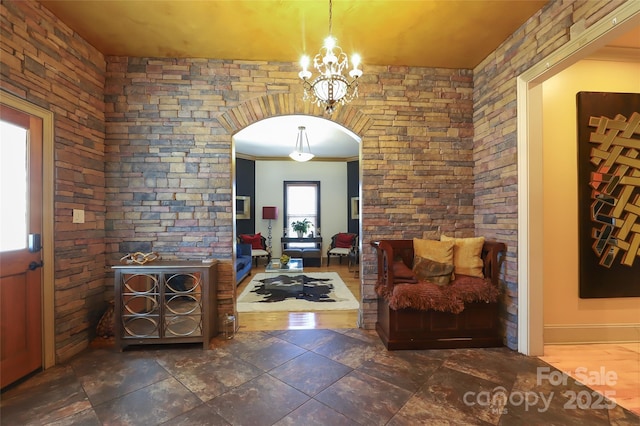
(288, 183)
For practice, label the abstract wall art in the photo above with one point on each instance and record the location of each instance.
(609, 194)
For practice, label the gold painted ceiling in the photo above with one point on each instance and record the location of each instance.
(433, 33)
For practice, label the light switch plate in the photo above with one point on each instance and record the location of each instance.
(78, 216)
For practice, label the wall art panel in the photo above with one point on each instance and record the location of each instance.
(609, 194)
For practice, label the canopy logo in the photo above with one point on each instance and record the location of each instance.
(499, 400)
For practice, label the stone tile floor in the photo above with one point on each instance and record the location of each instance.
(305, 377)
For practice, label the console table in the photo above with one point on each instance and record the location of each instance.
(165, 302)
(311, 256)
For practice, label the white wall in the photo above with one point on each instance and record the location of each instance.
(270, 176)
(567, 318)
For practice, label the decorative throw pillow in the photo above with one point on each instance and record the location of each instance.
(402, 273)
(434, 272)
(467, 255)
(438, 251)
(254, 240)
(344, 240)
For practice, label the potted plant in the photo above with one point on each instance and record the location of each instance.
(301, 226)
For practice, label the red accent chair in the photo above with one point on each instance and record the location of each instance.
(258, 246)
(342, 245)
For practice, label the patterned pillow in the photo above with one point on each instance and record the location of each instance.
(431, 271)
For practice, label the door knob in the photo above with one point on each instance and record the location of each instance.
(35, 265)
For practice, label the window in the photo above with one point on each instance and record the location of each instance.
(13, 187)
(302, 201)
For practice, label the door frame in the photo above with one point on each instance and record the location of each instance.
(48, 312)
(530, 167)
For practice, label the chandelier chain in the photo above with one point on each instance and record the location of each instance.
(330, 17)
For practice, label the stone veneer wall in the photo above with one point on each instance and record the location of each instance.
(45, 63)
(418, 149)
(495, 139)
(169, 127)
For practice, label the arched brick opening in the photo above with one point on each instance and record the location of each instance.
(260, 108)
(275, 105)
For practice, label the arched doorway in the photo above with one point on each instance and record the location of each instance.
(271, 106)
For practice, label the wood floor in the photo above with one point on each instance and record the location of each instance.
(623, 359)
(611, 367)
(257, 321)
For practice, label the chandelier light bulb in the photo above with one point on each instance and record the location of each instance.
(355, 60)
(304, 63)
(355, 72)
(329, 43)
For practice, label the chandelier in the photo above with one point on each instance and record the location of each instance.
(330, 88)
(298, 153)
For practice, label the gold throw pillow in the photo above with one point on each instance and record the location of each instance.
(438, 251)
(467, 255)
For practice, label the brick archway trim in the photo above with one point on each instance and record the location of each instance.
(274, 105)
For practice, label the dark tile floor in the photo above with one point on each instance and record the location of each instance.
(305, 377)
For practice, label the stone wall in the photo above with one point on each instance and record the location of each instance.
(495, 138)
(169, 125)
(45, 63)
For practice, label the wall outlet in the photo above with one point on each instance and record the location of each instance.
(78, 216)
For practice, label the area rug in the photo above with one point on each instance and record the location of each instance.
(316, 291)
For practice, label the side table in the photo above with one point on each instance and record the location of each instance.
(165, 302)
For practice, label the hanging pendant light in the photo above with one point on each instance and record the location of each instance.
(330, 88)
(298, 153)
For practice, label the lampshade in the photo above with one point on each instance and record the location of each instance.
(269, 212)
(301, 157)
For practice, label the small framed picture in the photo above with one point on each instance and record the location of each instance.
(355, 207)
(243, 207)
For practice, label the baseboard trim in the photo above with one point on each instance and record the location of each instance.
(591, 333)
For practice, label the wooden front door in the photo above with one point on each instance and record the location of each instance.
(20, 251)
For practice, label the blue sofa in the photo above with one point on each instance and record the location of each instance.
(243, 261)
